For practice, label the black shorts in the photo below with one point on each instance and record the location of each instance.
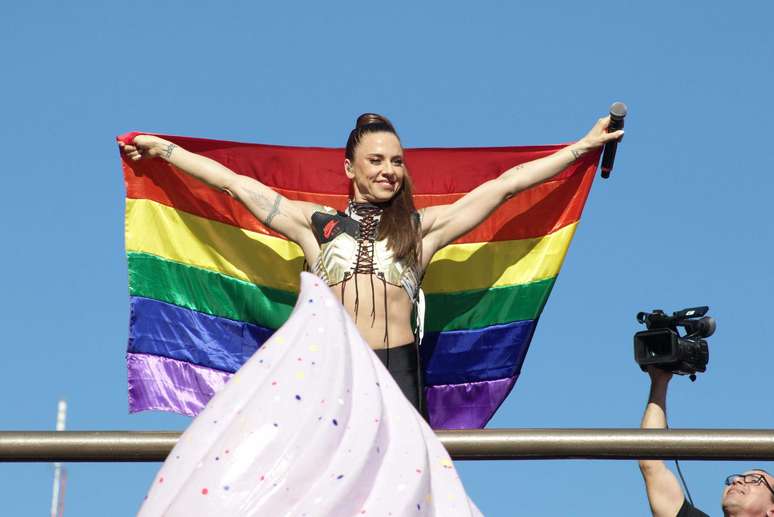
(403, 364)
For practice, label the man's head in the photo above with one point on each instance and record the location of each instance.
(749, 494)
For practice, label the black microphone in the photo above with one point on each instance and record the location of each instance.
(617, 113)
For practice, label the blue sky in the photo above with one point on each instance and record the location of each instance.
(683, 221)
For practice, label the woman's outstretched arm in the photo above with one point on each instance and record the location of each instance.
(290, 218)
(443, 224)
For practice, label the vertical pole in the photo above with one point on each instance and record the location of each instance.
(57, 497)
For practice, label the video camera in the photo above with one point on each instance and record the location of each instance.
(663, 346)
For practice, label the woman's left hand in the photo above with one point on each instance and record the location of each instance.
(598, 135)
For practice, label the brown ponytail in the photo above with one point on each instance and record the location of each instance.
(399, 222)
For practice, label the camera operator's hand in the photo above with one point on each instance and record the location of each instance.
(659, 376)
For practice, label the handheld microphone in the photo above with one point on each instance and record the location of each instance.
(617, 113)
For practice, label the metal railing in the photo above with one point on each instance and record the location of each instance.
(487, 444)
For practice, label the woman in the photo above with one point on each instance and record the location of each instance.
(379, 247)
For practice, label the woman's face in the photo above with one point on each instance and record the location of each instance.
(376, 170)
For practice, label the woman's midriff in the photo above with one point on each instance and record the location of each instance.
(371, 315)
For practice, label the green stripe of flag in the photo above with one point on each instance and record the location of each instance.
(482, 308)
(206, 291)
(220, 295)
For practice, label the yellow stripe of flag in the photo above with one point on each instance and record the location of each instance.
(465, 267)
(274, 262)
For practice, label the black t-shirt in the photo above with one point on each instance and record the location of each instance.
(686, 510)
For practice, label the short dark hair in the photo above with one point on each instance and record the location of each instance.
(771, 494)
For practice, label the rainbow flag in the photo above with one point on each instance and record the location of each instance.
(209, 283)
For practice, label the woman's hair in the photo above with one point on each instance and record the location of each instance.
(399, 223)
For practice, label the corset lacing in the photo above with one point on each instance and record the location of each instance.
(368, 216)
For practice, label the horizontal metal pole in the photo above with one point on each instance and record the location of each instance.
(487, 444)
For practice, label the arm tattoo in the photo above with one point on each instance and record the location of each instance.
(274, 210)
(168, 151)
(576, 154)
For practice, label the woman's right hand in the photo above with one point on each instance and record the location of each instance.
(143, 146)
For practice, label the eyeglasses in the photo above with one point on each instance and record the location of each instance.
(749, 479)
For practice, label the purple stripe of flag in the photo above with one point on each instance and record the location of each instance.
(468, 405)
(170, 385)
(166, 384)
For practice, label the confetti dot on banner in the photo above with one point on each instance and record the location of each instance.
(340, 476)
(298, 397)
(226, 488)
(419, 471)
(161, 479)
(217, 458)
(299, 359)
(227, 451)
(276, 424)
(311, 300)
(273, 383)
(335, 422)
(418, 507)
(205, 491)
(263, 477)
(177, 457)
